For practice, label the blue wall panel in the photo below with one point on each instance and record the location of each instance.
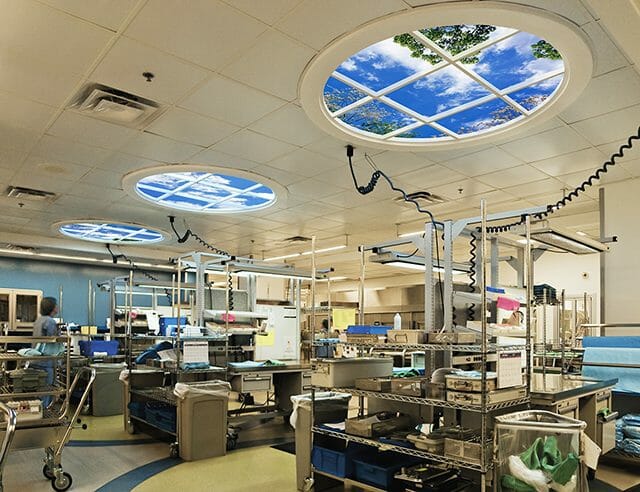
(74, 278)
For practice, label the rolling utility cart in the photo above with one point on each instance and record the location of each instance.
(35, 426)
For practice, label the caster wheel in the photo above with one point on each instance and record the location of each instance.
(174, 451)
(63, 482)
(46, 471)
(131, 429)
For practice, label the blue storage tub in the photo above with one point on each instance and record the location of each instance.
(168, 324)
(368, 329)
(335, 458)
(90, 347)
(161, 415)
(379, 469)
(137, 409)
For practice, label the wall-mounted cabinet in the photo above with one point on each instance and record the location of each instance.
(19, 309)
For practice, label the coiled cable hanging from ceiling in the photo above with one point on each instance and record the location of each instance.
(369, 187)
(473, 256)
(190, 234)
(578, 190)
(136, 268)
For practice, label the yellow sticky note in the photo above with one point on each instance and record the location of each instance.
(343, 317)
(266, 340)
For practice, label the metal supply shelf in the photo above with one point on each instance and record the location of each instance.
(439, 347)
(160, 393)
(456, 462)
(7, 393)
(146, 422)
(350, 482)
(434, 402)
(10, 356)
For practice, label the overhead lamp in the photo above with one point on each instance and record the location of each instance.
(410, 234)
(566, 240)
(393, 258)
(305, 253)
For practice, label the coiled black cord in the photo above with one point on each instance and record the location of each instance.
(473, 255)
(365, 190)
(576, 192)
(189, 233)
(136, 268)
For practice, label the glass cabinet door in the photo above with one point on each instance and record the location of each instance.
(5, 315)
(26, 309)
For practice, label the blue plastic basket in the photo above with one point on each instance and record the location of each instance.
(368, 329)
(379, 469)
(90, 347)
(169, 324)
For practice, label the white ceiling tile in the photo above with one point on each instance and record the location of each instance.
(53, 168)
(607, 55)
(340, 178)
(336, 149)
(483, 162)
(614, 147)
(268, 12)
(569, 9)
(350, 198)
(631, 166)
(105, 179)
(86, 190)
(253, 146)
(183, 125)
(90, 131)
(311, 187)
(107, 13)
(42, 49)
(290, 124)
(614, 175)
(228, 100)
(124, 163)
(40, 181)
(305, 163)
(610, 127)
(220, 159)
(449, 154)
(313, 209)
(316, 23)
(7, 173)
(19, 139)
(79, 207)
(160, 148)
(21, 113)
(544, 186)
(611, 91)
(125, 62)
(512, 176)
(397, 163)
(284, 178)
(255, 66)
(11, 159)
(586, 159)
(428, 178)
(547, 144)
(208, 33)
(461, 189)
(59, 149)
(5, 219)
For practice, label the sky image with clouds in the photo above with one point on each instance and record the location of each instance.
(508, 64)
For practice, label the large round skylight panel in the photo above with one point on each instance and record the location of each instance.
(110, 232)
(203, 190)
(446, 74)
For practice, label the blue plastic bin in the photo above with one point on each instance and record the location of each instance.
(137, 409)
(90, 347)
(378, 469)
(168, 324)
(161, 415)
(335, 458)
(368, 329)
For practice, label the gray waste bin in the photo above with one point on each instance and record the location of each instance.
(202, 419)
(106, 392)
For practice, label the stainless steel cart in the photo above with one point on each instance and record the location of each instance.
(52, 432)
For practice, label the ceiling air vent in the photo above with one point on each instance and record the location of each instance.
(422, 196)
(296, 239)
(29, 194)
(115, 106)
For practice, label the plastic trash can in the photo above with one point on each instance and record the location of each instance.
(330, 406)
(106, 392)
(202, 419)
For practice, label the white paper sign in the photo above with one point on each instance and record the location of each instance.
(196, 351)
(509, 369)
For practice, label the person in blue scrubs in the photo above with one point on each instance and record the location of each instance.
(46, 326)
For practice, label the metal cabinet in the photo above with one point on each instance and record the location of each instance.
(19, 309)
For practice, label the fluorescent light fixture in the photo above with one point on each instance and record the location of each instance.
(409, 234)
(85, 259)
(338, 279)
(412, 262)
(305, 253)
(580, 233)
(416, 266)
(566, 240)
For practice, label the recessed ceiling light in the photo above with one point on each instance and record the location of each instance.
(110, 232)
(202, 189)
(445, 74)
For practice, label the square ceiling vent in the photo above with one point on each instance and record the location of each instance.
(115, 106)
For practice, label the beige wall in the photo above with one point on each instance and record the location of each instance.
(622, 263)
